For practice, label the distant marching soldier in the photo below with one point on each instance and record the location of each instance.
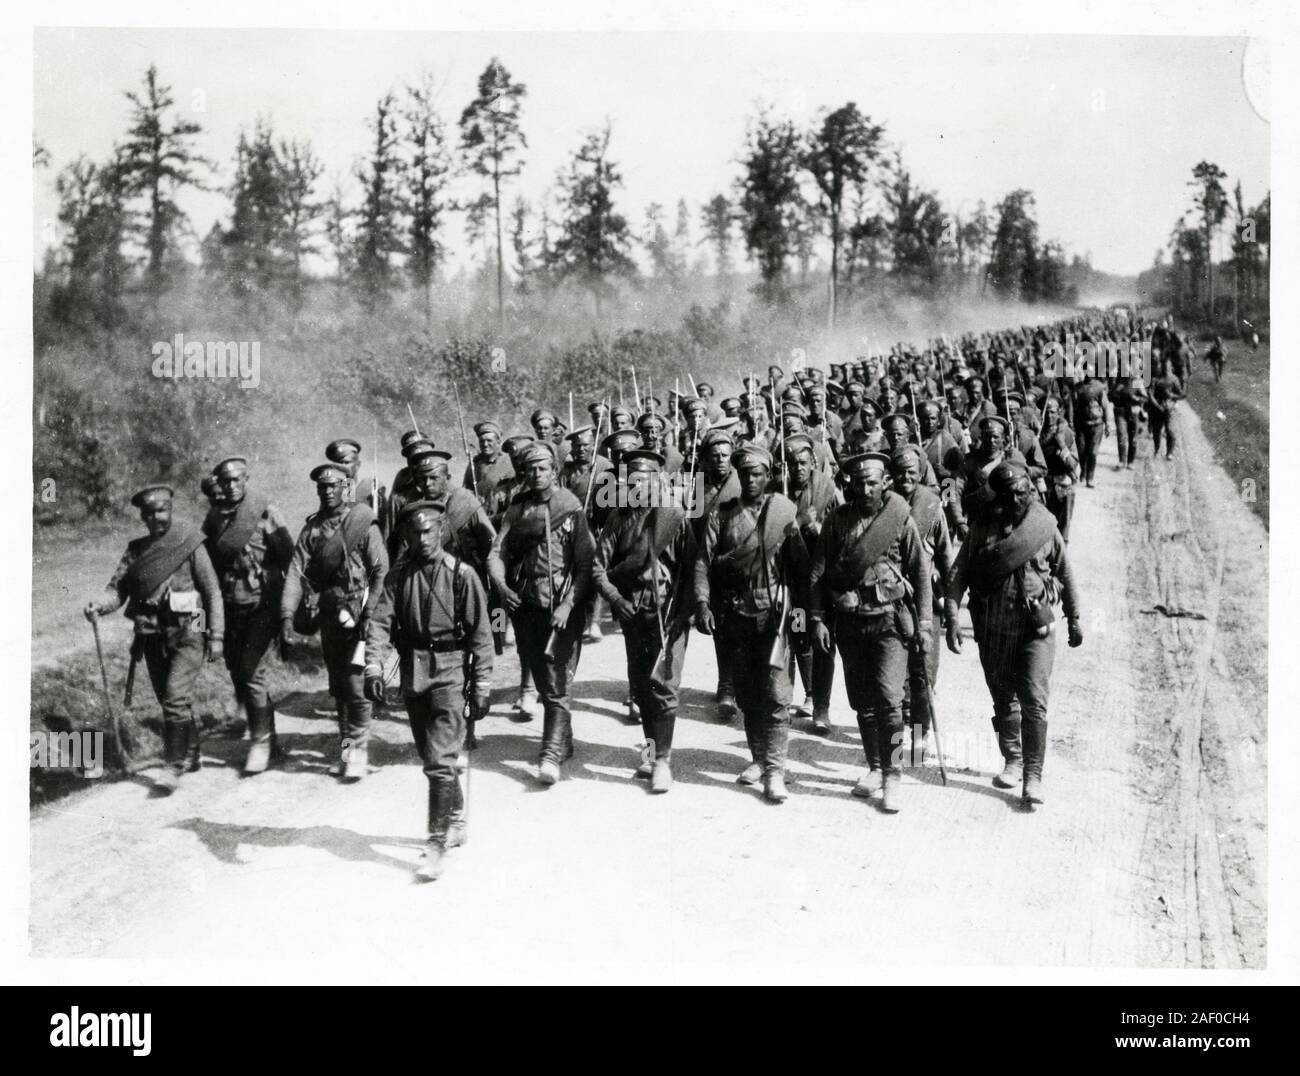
(173, 598)
(654, 431)
(870, 574)
(1015, 567)
(936, 546)
(1128, 398)
(1163, 395)
(583, 468)
(750, 574)
(720, 484)
(541, 566)
(543, 423)
(433, 611)
(1062, 459)
(250, 547)
(338, 566)
(1092, 415)
(644, 561)
(815, 496)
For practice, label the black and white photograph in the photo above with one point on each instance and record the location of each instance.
(671, 497)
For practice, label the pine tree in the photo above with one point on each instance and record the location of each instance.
(767, 187)
(491, 140)
(427, 172)
(379, 221)
(157, 162)
(1211, 201)
(716, 220)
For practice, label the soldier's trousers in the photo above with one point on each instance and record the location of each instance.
(816, 673)
(875, 659)
(347, 683)
(920, 671)
(174, 659)
(1018, 670)
(552, 674)
(250, 631)
(1126, 427)
(726, 682)
(1161, 424)
(762, 692)
(654, 690)
(1060, 502)
(1088, 436)
(437, 719)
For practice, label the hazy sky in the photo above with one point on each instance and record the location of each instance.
(1103, 130)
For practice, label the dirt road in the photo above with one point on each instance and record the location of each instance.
(1150, 849)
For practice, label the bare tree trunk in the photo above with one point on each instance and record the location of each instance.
(501, 301)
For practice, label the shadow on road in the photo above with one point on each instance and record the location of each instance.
(223, 839)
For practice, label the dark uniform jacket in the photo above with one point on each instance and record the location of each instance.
(435, 615)
(174, 603)
(251, 574)
(355, 584)
(623, 568)
(519, 556)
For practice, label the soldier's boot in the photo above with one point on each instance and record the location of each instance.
(633, 714)
(526, 707)
(774, 786)
(441, 800)
(356, 759)
(193, 747)
(661, 775)
(1034, 735)
(727, 708)
(1012, 759)
(260, 726)
(870, 782)
(457, 830)
(278, 754)
(548, 764)
(822, 719)
(591, 632)
(336, 769)
(174, 741)
(753, 773)
(889, 793)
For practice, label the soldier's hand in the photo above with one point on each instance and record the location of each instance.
(704, 618)
(1076, 632)
(511, 599)
(375, 689)
(954, 636)
(215, 648)
(924, 640)
(92, 610)
(623, 610)
(480, 705)
(286, 640)
(963, 530)
(822, 637)
(560, 617)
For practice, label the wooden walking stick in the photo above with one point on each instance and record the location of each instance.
(113, 719)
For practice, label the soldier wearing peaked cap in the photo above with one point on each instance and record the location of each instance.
(209, 488)
(1057, 440)
(584, 473)
(971, 487)
(936, 545)
(750, 575)
(815, 496)
(654, 433)
(490, 470)
(433, 611)
(718, 484)
(1016, 569)
(172, 596)
(621, 418)
(250, 546)
(402, 488)
(643, 562)
(346, 452)
(871, 581)
(335, 576)
(541, 566)
(899, 433)
(822, 424)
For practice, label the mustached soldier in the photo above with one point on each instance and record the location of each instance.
(340, 559)
(250, 547)
(869, 571)
(1015, 566)
(583, 469)
(433, 611)
(750, 575)
(643, 564)
(173, 598)
(540, 564)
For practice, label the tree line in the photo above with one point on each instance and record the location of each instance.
(1232, 294)
(837, 186)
